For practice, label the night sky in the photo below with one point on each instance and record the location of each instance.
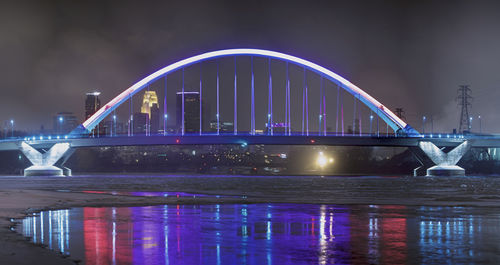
(409, 54)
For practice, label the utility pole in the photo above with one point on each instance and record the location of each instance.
(464, 101)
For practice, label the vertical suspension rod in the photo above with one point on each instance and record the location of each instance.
(286, 102)
(359, 118)
(165, 114)
(320, 116)
(182, 97)
(235, 117)
(378, 128)
(324, 105)
(303, 100)
(337, 115)
(201, 99)
(342, 111)
(218, 106)
(307, 111)
(252, 125)
(270, 100)
(131, 116)
(354, 117)
(148, 120)
(289, 105)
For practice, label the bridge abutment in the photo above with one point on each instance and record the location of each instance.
(44, 164)
(444, 163)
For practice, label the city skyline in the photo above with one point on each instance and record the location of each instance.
(224, 132)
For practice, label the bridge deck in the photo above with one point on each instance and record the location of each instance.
(491, 142)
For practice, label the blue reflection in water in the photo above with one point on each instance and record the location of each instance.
(269, 234)
(58, 226)
(440, 237)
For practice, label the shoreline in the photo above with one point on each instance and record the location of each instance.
(20, 197)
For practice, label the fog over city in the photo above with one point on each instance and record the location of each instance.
(412, 55)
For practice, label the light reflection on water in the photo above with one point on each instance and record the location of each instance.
(269, 234)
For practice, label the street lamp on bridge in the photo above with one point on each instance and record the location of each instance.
(423, 124)
(319, 129)
(61, 120)
(480, 127)
(165, 117)
(371, 122)
(113, 128)
(269, 124)
(12, 127)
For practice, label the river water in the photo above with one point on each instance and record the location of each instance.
(270, 234)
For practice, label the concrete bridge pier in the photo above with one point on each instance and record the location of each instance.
(44, 164)
(445, 164)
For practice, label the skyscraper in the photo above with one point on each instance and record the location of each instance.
(141, 121)
(154, 121)
(191, 112)
(150, 106)
(92, 105)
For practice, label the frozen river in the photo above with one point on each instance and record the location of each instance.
(260, 219)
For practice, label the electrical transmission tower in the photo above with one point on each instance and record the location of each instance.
(464, 100)
(400, 113)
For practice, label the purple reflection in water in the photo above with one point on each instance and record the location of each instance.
(158, 194)
(268, 234)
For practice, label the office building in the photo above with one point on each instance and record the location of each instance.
(191, 112)
(151, 107)
(92, 104)
(140, 123)
(64, 123)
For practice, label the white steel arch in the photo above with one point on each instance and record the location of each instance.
(397, 124)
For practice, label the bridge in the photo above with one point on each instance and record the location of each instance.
(262, 106)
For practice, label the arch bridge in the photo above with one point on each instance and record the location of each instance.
(263, 110)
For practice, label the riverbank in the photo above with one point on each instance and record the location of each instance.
(20, 196)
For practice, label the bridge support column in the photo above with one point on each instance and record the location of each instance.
(445, 163)
(43, 164)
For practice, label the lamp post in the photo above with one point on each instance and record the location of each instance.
(371, 122)
(268, 123)
(319, 129)
(480, 127)
(218, 125)
(165, 117)
(113, 128)
(61, 120)
(470, 123)
(12, 127)
(432, 125)
(423, 124)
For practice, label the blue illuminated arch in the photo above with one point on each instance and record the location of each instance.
(397, 124)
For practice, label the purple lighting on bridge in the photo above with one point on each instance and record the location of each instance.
(182, 124)
(253, 100)
(218, 105)
(270, 98)
(201, 97)
(235, 117)
(390, 118)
